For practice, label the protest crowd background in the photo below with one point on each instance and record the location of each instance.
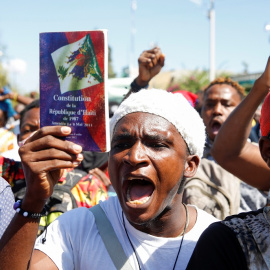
(231, 182)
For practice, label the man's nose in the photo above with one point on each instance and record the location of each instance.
(218, 109)
(136, 155)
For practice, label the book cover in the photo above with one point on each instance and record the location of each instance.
(73, 75)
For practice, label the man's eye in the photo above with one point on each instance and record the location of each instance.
(210, 104)
(156, 145)
(120, 145)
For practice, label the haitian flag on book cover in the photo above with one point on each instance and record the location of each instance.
(73, 73)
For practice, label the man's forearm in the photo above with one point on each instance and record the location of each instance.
(234, 133)
(16, 245)
(231, 148)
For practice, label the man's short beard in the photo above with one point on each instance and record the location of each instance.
(182, 185)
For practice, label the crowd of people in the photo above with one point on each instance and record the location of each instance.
(184, 186)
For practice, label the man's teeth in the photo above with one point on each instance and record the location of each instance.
(141, 201)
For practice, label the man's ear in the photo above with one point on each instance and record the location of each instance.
(191, 165)
(264, 145)
(18, 138)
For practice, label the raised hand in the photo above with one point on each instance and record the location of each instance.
(263, 82)
(150, 64)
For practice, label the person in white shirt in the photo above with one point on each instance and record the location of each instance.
(157, 140)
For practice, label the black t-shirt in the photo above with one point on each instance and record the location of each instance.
(217, 248)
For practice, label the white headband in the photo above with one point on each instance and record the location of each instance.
(172, 107)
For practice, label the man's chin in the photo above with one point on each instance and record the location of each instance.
(138, 214)
(212, 136)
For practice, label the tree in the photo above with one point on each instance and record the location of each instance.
(3, 76)
(194, 81)
(111, 73)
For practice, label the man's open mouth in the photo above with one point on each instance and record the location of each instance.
(216, 127)
(139, 191)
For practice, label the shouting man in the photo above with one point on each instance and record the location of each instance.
(157, 140)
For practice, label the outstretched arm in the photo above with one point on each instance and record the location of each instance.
(22, 99)
(16, 97)
(231, 149)
(44, 156)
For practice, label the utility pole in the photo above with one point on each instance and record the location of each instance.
(267, 29)
(132, 72)
(211, 17)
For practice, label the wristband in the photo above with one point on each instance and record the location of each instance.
(15, 97)
(136, 88)
(19, 210)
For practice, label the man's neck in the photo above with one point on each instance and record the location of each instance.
(207, 149)
(170, 223)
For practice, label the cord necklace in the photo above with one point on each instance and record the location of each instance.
(181, 234)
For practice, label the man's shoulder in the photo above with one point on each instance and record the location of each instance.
(204, 219)
(202, 222)
(80, 221)
(245, 215)
(6, 196)
(247, 220)
(217, 248)
(3, 184)
(108, 206)
(251, 229)
(111, 207)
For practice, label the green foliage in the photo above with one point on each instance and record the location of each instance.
(111, 73)
(3, 76)
(247, 87)
(195, 81)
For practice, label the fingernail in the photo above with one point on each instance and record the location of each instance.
(66, 129)
(76, 163)
(77, 147)
(80, 156)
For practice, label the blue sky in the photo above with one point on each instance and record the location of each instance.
(179, 27)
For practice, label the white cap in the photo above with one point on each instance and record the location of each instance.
(172, 107)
